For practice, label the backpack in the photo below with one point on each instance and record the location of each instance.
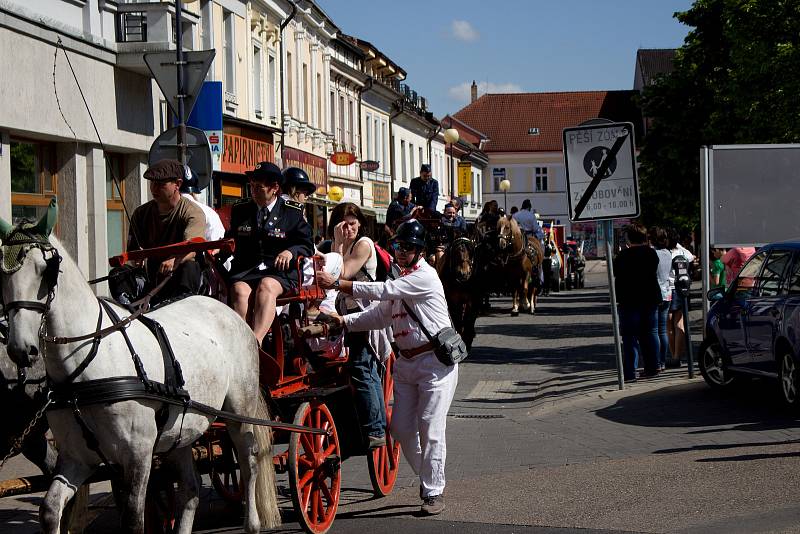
(680, 272)
(385, 269)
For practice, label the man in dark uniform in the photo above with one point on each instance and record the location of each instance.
(270, 233)
(425, 189)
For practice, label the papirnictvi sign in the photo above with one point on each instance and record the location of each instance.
(315, 166)
(241, 154)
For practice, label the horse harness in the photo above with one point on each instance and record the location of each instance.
(75, 395)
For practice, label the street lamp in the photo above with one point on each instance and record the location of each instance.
(450, 137)
(505, 185)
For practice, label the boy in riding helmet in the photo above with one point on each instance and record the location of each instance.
(423, 386)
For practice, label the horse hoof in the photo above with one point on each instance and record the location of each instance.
(514, 313)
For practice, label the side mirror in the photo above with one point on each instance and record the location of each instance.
(716, 294)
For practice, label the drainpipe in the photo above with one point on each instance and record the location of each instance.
(399, 103)
(285, 23)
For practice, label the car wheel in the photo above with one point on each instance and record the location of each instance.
(788, 379)
(712, 366)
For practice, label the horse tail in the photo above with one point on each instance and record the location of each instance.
(266, 493)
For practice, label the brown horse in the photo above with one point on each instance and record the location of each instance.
(515, 264)
(456, 269)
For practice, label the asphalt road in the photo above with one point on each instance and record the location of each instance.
(541, 441)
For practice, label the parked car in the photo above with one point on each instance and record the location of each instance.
(753, 327)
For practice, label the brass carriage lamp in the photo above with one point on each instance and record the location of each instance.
(505, 185)
(450, 137)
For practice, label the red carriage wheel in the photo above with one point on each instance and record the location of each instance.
(384, 462)
(225, 471)
(315, 469)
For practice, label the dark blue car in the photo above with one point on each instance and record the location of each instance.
(752, 327)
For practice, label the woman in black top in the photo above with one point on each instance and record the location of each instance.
(638, 297)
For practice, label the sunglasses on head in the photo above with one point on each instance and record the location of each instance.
(403, 247)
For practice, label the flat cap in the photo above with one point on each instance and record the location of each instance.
(424, 168)
(266, 172)
(165, 170)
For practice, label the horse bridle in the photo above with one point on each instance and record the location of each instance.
(50, 275)
(471, 246)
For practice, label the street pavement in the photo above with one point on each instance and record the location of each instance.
(540, 440)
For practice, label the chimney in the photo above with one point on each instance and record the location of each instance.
(473, 92)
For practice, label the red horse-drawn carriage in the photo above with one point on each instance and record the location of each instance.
(301, 387)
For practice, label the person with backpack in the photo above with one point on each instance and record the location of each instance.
(676, 327)
(367, 350)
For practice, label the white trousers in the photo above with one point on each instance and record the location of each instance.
(423, 391)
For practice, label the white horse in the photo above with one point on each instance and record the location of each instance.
(216, 350)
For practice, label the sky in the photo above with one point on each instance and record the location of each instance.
(512, 45)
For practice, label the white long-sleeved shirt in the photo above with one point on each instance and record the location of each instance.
(420, 288)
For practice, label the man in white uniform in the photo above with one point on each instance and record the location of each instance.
(423, 386)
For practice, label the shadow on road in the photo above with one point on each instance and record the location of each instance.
(752, 407)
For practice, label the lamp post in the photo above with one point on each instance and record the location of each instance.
(450, 137)
(505, 185)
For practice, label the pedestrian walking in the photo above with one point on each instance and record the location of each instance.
(676, 323)
(659, 241)
(423, 385)
(638, 297)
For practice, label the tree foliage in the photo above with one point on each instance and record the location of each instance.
(735, 81)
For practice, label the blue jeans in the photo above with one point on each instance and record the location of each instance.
(663, 339)
(366, 381)
(639, 326)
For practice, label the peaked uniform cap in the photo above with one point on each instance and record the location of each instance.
(266, 172)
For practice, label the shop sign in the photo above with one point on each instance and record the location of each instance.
(343, 158)
(464, 178)
(241, 154)
(315, 166)
(380, 194)
(370, 166)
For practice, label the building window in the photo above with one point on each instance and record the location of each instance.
(207, 30)
(384, 139)
(332, 125)
(411, 158)
(229, 52)
(498, 175)
(271, 82)
(289, 84)
(33, 178)
(116, 222)
(257, 83)
(320, 116)
(351, 137)
(541, 178)
(340, 124)
(306, 108)
(368, 133)
(403, 160)
(378, 139)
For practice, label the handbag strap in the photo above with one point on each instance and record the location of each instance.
(414, 316)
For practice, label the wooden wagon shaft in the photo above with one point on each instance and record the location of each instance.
(40, 483)
(197, 244)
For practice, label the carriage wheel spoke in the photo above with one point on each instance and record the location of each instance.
(330, 450)
(326, 492)
(305, 440)
(305, 494)
(305, 463)
(305, 480)
(315, 508)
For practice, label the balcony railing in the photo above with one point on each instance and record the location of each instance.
(132, 27)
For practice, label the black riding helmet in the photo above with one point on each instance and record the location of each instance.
(411, 232)
(297, 178)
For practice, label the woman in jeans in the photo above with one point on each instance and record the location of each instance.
(367, 350)
(658, 240)
(638, 297)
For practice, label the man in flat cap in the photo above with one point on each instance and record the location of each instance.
(270, 233)
(167, 219)
(425, 189)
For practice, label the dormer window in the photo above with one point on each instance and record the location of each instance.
(533, 131)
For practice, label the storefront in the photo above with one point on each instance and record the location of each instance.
(317, 205)
(243, 148)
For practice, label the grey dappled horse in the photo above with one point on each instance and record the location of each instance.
(218, 355)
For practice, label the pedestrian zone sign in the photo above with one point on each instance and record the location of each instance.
(600, 164)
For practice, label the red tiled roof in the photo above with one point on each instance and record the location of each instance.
(506, 118)
(652, 62)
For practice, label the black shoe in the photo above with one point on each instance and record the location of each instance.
(673, 364)
(432, 505)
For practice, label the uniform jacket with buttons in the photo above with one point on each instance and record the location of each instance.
(285, 229)
(425, 194)
(420, 288)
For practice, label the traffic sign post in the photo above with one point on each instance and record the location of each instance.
(602, 185)
(197, 151)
